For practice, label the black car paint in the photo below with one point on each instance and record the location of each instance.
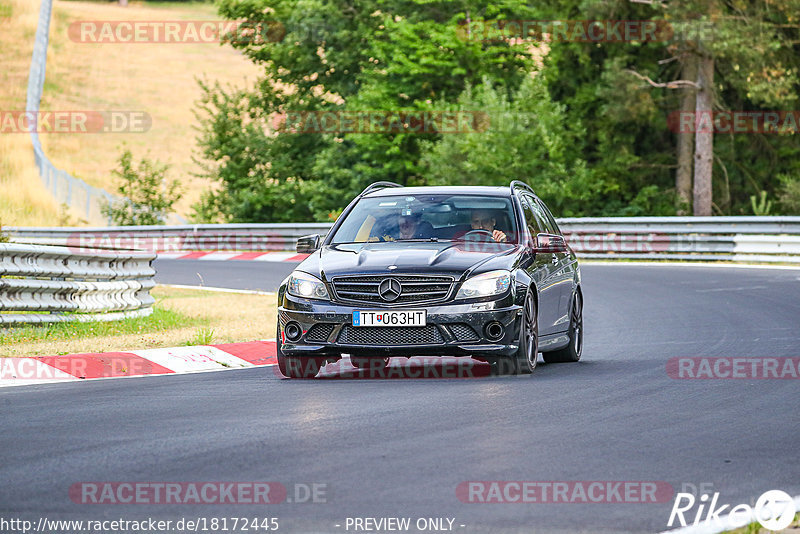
(554, 277)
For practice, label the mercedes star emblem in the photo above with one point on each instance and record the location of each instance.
(390, 290)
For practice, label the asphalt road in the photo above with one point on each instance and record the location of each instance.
(252, 275)
(401, 447)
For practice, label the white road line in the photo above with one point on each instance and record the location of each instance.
(10, 367)
(220, 289)
(690, 264)
(8, 383)
(715, 289)
(275, 256)
(219, 256)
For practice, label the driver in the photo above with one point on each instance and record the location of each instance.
(484, 220)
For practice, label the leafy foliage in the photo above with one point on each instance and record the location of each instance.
(527, 138)
(789, 198)
(148, 197)
(589, 136)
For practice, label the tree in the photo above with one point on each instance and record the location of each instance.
(394, 56)
(147, 196)
(527, 138)
(624, 91)
(751, 47)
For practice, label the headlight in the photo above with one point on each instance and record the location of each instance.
(304, 285)
(485, 285)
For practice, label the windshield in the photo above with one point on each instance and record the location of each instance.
(433, 217)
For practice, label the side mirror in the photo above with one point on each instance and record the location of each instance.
(308, 244)
(550, 243)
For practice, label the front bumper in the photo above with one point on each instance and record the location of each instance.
(454, 329)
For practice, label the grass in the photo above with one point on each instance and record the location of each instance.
(160, 79)
(24, 200)
(756, 528)
(180, 317)
(204, 336)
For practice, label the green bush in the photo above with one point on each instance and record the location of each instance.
(147, 195)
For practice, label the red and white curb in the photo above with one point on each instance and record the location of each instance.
(219, 255)
(174, 360)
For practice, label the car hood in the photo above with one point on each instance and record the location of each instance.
(452, 258)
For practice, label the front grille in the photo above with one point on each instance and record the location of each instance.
(415, 289)
(390, 336)
(463, 332)
(320, 332)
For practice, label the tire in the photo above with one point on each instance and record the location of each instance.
(293, 366)
(523, 362)
(572, 352)
(361, 362)
(528, 351)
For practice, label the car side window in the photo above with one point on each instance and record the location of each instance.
(550, 220)
(545, 224)
(538, 223)
(530, 217)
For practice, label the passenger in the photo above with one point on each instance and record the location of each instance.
(412, 227)
(484, 220)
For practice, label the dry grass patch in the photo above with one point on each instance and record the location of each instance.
(233, 317)
(24, 201)
(159, 78)
(181, 317)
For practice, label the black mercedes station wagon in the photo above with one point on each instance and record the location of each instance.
(482, 272)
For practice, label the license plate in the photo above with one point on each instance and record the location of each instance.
(390, 318)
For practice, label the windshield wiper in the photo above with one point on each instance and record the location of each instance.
(420, 239)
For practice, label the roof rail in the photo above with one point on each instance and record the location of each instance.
(523, 185)
(378, 185)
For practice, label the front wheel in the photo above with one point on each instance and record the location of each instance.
(572, 352)
(294, 367)
(528, 351)
(523, 362)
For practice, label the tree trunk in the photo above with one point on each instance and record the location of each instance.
(683, 176)
(704, 137)
(123, 3)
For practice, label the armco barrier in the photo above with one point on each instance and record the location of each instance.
(753, 239)
(187, 238)
(46, 284)
(757, 239)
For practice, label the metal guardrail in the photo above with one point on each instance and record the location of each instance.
(740, 239)
(757, 239)
(46, 284)
(188, 238)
